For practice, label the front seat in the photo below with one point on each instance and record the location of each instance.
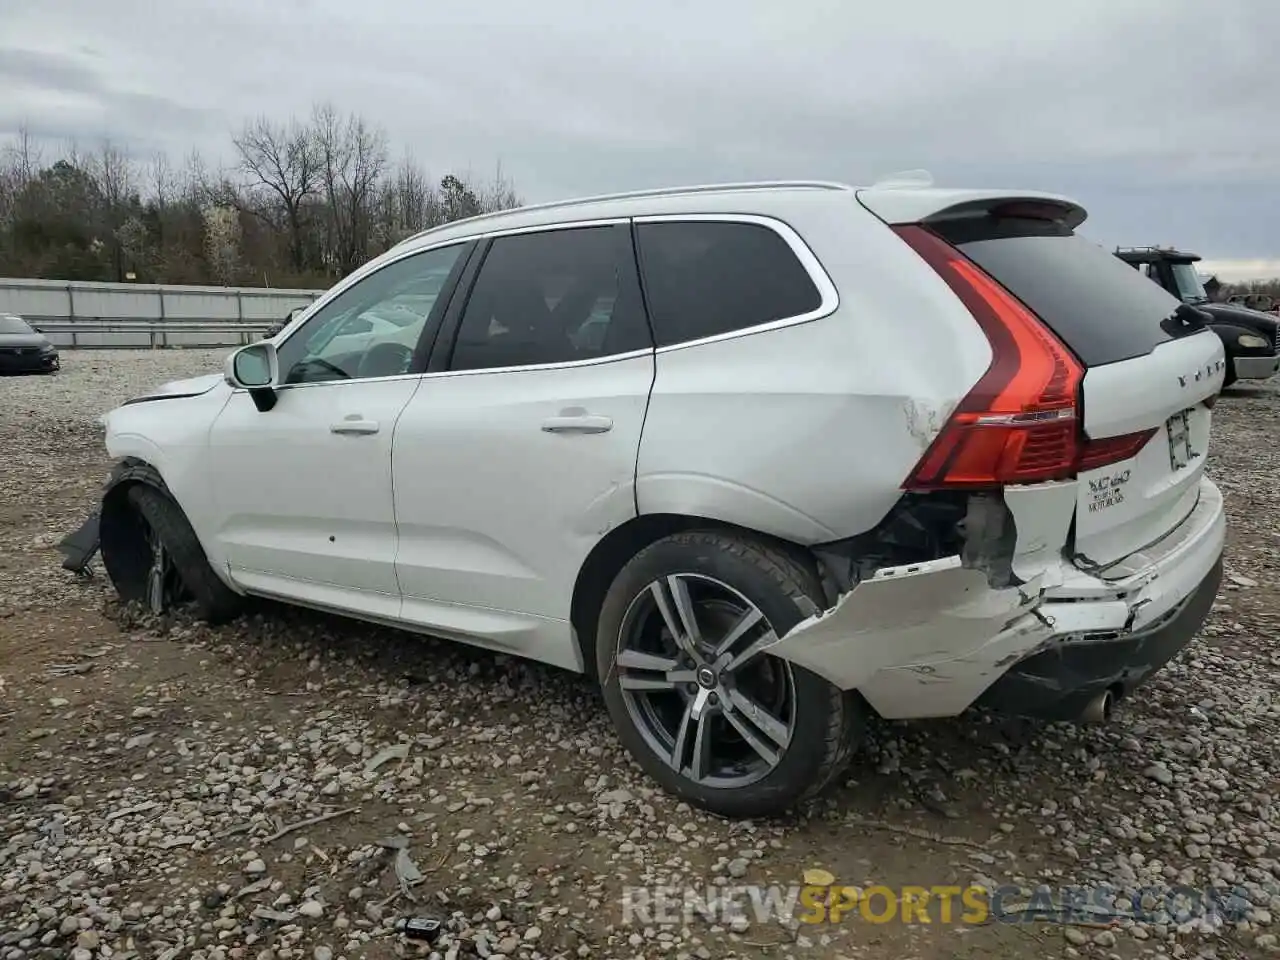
(527, 334)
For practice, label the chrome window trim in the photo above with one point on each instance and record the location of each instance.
(549, 227)
(441, 374)
(829, 297)
(562, 365)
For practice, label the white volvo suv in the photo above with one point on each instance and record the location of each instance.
(760, 458)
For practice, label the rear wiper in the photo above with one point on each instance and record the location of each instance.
(1184, 320)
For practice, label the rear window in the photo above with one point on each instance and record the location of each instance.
(1100, 307)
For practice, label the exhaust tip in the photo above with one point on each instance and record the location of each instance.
(1098, 710)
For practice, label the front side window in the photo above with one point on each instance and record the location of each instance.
(704, 278)
(553, 297)
(373, 328)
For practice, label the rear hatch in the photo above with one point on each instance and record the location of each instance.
(1150, 366)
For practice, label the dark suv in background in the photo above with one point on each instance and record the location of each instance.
(1250, 338)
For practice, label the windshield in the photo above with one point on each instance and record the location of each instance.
(14, 325)
(1190, 289)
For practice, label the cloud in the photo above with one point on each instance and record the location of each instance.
(63, 98)
(1154, 113)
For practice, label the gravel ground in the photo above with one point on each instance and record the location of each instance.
(162, 783)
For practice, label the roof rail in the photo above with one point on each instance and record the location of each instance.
(641, 194)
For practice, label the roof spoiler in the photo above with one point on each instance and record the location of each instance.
(901, 206)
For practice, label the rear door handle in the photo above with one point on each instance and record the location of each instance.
(578, 424)
(354, 424)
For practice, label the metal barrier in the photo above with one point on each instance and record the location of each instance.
(96, 332)
(92, 314)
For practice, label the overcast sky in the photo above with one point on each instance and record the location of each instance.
(1160, 116)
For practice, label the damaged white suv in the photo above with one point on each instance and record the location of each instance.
(759, 457)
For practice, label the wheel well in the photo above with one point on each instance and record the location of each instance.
(123, 539)
(620, 544)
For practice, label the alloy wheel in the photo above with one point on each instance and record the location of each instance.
(164, 585)
(698, 685)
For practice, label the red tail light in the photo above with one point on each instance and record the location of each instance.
(1020, 423)
(1100, 453)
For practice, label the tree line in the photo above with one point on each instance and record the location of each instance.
(1269, 288)
(302, 204)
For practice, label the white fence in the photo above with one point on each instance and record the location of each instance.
(76, 314)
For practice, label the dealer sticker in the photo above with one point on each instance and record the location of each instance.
(1107, 492)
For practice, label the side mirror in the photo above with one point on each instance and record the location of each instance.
(255, 368)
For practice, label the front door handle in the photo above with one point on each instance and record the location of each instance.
(354, 424)
(577, 424)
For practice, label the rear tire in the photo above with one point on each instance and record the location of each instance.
(732, 730)
(129, 532)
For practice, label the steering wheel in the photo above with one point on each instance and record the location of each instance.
(385, 360)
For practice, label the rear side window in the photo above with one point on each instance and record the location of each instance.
(704, 278)
(1100, 307)
(553, 297)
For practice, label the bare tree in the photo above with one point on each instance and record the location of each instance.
(307, 202)
(282, 161)
(353, 156)
(116, 179)
(163, 183)
(23, 156)
(499, 193)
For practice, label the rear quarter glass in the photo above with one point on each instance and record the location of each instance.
(1099, 306)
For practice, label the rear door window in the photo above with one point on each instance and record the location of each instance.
(1100, 307)
(704, 278)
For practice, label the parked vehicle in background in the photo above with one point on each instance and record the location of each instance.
(1250, 337)
(1254, 301)
(24, 349)
(759, 457)
(279, 325)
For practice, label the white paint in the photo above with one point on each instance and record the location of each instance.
(455, 510)
(1129, 504)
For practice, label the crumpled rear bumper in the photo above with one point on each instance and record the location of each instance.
(928, 640)
(1060, 681)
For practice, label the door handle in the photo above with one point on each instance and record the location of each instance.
(354, 424)
(579, 424)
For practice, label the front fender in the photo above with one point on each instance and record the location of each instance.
(134, 448)
(171, 437)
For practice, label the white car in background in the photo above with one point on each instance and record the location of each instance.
(761, 458)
